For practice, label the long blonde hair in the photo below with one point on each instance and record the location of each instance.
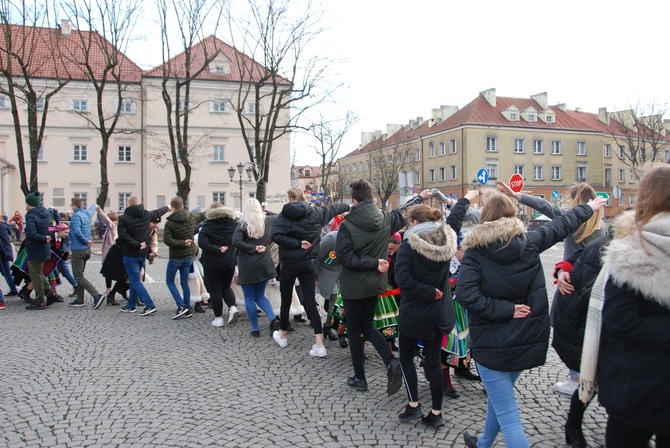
(653, 195)
(253, 218)
(581, 193)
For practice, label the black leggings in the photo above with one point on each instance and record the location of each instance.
(431, 366)
(303, 271)
(217, 282)
(623, 435)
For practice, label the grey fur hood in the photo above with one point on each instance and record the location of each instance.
(641, 260)
(436, 244)
(221, 212)
(488, 233)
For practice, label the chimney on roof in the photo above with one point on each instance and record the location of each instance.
(392, 129)
(541, 99)
(65, 28)
(366, 138)
(444, 112)
(490, 96)
(603, 116)
(561, 106)
(578, 109)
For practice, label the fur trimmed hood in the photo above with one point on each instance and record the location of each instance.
(641, 260)
(436, 244)
(221, 212)
(492, 232)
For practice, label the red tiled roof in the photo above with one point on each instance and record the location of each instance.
(49, 54)
(240, 64)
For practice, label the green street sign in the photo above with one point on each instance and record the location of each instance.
(603, 195)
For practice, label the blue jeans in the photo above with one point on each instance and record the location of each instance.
(64, 269)
(5, 267)
(182, 266)
(133, 267)
(502, 412)
(254, 294)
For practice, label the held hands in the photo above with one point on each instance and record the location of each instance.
(48, 238)
(187, 243)
(521, 311)
(143, 245)
(90, 243)
(260, 249)
(564, 284)
(470, 195)
(305, 244)
(438, 294)
(597, 203)
(224, 249)
(426, 194)
(507, 191)
(382, 265)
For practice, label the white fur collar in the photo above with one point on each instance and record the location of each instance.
(642, 260)
(493, 232)
(435, 243)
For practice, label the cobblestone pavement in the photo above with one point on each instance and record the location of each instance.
(84, 377)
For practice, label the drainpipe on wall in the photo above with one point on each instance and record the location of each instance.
(462, 162)
(142, 142)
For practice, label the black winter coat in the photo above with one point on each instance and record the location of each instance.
(6, 247)
(570, 310)
(134, 229)
(298, 222)
(215, 233)
(37, 229)
(422, 266)
(497, 274)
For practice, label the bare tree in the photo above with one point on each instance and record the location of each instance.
(100, 57)
(188, 19)
(387, 161)
(640, 135)
(280, 80)
(32, 72)
(328, 136)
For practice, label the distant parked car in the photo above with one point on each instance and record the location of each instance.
(536, 223)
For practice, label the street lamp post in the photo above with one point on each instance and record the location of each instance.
(240, 168)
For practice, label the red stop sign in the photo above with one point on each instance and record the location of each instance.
(516, 183)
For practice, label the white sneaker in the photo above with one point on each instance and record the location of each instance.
(567, 387)
(277, 337)
(319, 352)
(218, 322)
(233, 314)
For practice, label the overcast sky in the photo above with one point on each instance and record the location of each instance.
(405, 58)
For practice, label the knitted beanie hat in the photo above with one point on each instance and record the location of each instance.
(33, 199)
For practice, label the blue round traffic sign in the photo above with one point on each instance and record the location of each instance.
(482, 176)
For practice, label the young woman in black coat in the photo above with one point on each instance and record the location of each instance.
(501, 284)
(426, 309)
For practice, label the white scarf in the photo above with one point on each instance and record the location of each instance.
(594, 321)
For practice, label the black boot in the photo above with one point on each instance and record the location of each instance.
(573, 427)
(343, 341)
(111, 301)
(24, 293)
(449, 390)
(198, 308)
(329, 333)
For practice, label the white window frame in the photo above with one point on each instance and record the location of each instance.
(250, 108)
(556, 172)
(40, 153)
(622, 152)
(83, 196)
(549, 118)
(431, 175)
(556, 147)
(443, 174)
(124, 154)
(453, 172)
(581, 148)
(491, 144)
(443, 149)
(608, 150)
(531, 118)
(218, 153)
(431, 150)
(622, 176)
(519, 145)
(80, 153)
(538, 146)
(417, 155)
(218, 195)
(80, 105)
(492, 168)
(607, 177)
(513, 116)
(218, 106)
(631, 176)
(666, 157)
(520, 169)
(580, 173)
(453, 146)
(4, 102)
(417, 177)
(122, 199)
(127, 106)
(538, 172)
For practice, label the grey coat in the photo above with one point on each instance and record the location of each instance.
(327, 268)
(254, 267)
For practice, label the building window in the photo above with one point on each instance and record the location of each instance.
(125, 154)
(367, 165)
(4, 102)
(83, 196)
(219, 196)
(538, 172)
(250, 108)
(521, 170)
(417, 155)
(127, 106)
(40, 153)
(80, 153)
(123, 200)
(631, 199)
(360, 165)
(519, 145)
(453, 173)
(374, 164)
(581, 148)
(608, 150)
(513, 116)
(218, 106)
(417, 177)
(666, 158)
(581, 174)
(538, 146)
(431, 150)
(219, 154)
(556, 147)
(80, 105)
(389, 159)
(492, 168)
(556, 173)
(608, 177)
(491, 144)
(622, 176)
(353, 167)
(631, 177)
(531, 118)
(453, 146)
(443, 174)
(622, 152)
(431, 175)
(550, 119)
(443, 149)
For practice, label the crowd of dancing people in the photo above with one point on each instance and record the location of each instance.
(409, 282)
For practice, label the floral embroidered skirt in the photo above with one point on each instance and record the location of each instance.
(385, 320)
(455, 345)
